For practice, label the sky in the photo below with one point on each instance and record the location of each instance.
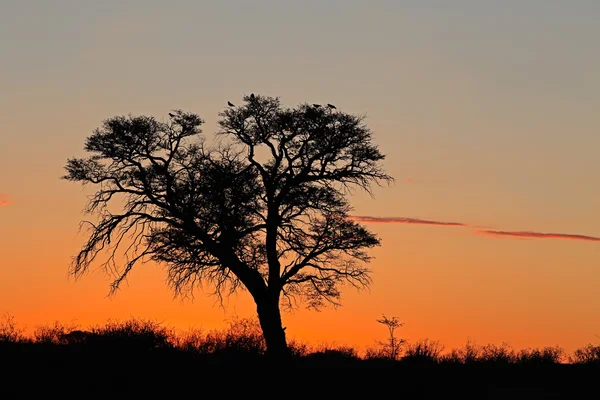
(487, 112)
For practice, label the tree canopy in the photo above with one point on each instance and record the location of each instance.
(265, 208)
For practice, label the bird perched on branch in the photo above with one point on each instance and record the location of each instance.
(230, 104)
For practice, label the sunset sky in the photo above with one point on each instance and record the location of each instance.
(488, 112)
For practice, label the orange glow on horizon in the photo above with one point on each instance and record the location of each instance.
(491, 232)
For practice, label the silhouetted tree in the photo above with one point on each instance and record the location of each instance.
(265, 209)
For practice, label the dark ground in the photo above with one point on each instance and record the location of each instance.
(45, 369)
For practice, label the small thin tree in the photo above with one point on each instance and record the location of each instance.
(393, 344)
(265, 209)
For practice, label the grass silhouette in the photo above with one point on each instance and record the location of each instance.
(243, 341)
(128, 355)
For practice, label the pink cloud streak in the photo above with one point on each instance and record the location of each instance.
(403, 220)
(538, 235)
(482, 230)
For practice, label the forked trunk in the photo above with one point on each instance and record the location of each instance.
(270, 322)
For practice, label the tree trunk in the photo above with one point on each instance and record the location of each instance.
(274, 334)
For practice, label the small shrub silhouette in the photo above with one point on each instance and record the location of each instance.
(332, 356)
(393, 345)
(298, 349)
(545, 356)
(501, 354)
(9, 331)
(423, 352)
(127, 336)
(469, 354)
(190, 341)
(54, 333)
(589, 354)
(376, 353)
(242, 341)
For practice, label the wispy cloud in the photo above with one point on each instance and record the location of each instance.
(4, 200)
(538, 235)
(481, 230)
(403, 220)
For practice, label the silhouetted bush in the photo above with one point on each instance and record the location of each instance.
(393, 346)
(469, 354)
(9, 332)
(376, 353)
(52, 334)
(545, 356)
(497, 354)
(190, 341)
(298, 349)
(331, 356)
(423, 352)
(503, 355)
(589, 354)
(131, 335)
(243, 338)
